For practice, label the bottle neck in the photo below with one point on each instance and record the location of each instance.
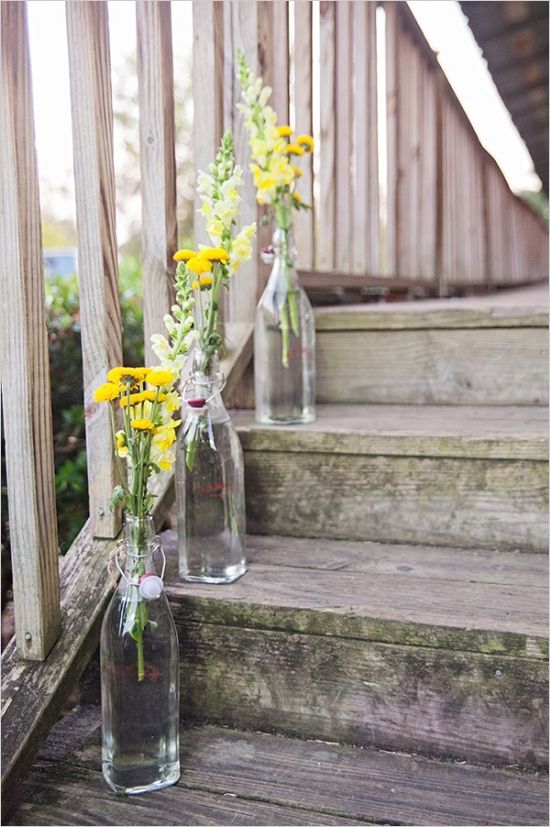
(139, 544)
(206, 379)
(283, 274)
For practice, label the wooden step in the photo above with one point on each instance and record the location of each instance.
(449, 475)
(487, 350)
(417, 649)
(233, 777)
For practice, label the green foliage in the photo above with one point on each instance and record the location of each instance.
(538, 201)
(63, 323)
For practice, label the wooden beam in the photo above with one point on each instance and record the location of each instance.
(92, 115)
(25, 364)
(159, 230)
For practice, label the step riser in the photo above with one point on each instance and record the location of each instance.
(435, 702)
(450, 367)
(466, 502)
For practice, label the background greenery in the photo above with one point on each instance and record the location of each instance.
(65, 352)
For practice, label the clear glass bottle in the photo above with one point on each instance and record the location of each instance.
(139, 673)
(284, 343)
(209, 483)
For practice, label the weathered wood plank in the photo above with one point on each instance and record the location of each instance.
(303, 124)
(159, 233)
(439, 501)
(470, 432)
(325, 220)
(527, 307)
(241, 299)
(208, 55)
(365, 213)
(315, 776)
(32, 697)
(463, 705)
(368, 593)
(65, 795)
(92, 118)
(25, 369)
(344, 115)
(487, 366)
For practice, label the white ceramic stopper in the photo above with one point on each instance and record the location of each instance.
(150, 586)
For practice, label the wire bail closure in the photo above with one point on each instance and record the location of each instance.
(158, 547)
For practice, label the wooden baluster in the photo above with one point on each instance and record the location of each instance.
(159, 229)
(303, 123)
(208, 54)
(91, 103)
(25, 366)
(343, 183)
(325, 221)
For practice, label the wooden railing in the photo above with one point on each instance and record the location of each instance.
(451, 221)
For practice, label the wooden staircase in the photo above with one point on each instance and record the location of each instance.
(384, 660)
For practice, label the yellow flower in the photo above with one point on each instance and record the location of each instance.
(214, 254)
(184, 255)
(307, 141)
(127, 376)
(121, 447)
(297, 172)
(144, 396)
(284, 131)
(106, 392)
(205, 281)
(164, 464)
(199, 265)
(160, 378)
(142, 425)
(294, 149)
(267, 183)
(297, 197)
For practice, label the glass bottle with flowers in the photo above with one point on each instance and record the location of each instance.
(209, 469)
(139, 643)
(284, 335)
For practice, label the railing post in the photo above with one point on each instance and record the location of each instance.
(91, 103)
(25, 367)
(159, 230)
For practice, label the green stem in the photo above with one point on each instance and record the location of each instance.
(283, 314)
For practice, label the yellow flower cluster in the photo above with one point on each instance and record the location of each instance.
(147, 415)
(272, 152)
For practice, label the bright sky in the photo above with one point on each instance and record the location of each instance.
(442, 21)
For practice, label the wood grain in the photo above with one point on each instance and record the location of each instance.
(92, 118)
(344, 115)
(243, 19)
(488, 366)
(303, 124)
(317, 777)
(365, 212)
(380, 592)
(208, 54)
(25, 365)
(159, 230)
(469, 432)
(437, 702)
(325, 219)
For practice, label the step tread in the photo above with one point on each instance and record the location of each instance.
(527, 307)
(496, 432)
(484, 601)
(230, 776)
